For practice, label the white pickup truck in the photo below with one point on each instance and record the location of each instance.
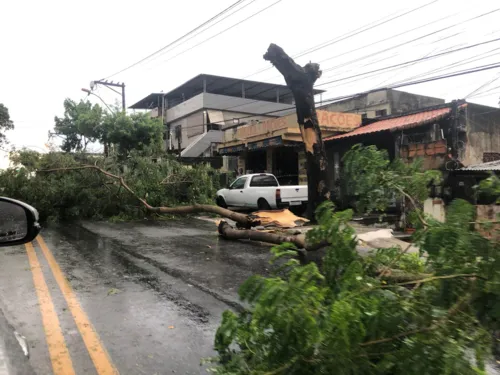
(262, 191)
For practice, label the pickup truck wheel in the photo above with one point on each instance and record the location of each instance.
(263, 205)
(221, 202)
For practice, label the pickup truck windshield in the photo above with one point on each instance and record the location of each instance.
(261, 181)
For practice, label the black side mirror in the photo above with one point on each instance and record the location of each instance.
(18, 222)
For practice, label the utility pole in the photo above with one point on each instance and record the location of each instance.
(109, 85)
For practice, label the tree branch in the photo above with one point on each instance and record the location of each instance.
(414, 204)
(432, 278)
(246, 221)
(451, 312)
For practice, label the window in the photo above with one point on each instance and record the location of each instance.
(264, 180)
(381, 112)
(364, 116)
(239, 183)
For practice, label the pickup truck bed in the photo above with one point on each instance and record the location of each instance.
(261, 191)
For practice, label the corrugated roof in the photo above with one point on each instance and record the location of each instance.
(395, 123)
(489, 166)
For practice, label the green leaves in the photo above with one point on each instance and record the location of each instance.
(387, 312)
(5, 123)
(371, 182)
(84, 123)
(137, 132)
(87, 194)
(79, 126)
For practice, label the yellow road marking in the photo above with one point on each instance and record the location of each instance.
(58, 351)
(98, 353)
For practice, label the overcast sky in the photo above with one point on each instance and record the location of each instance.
(53, 48)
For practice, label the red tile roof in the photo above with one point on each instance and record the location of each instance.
(396, 123)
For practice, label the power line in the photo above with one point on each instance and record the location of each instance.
(379, 24)
(405, 32)
(411, 41)
(343, 97)
(345, 36)
(223, 31)
(491, 89)
(411, 61)
(482, 86)
(178, 39)
(486, 94)
(455, 64)
(202, 31)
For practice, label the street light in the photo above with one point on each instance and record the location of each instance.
(110, 85)
(91, 93)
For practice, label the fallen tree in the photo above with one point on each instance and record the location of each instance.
(244, 221)
(60, 181)
(346, 317)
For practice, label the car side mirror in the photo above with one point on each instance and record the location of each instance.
(18, 222)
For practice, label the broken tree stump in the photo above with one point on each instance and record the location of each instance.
(301, 81)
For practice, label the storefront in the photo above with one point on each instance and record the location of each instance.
(275, 146)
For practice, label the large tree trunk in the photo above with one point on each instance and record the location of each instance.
(301, 81)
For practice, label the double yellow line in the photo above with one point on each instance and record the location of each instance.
(58, 351)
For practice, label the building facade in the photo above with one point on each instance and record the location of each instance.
(275, 145)
(449, 137)
(383, 102)
(196, 113)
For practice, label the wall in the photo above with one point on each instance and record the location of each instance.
(229, 103)
(366, 103)
(401, 101)
(482, 132)
(192, 126)
(434, 207)
(185, 108)
(249, 106)
(488, 213)
(393, 101)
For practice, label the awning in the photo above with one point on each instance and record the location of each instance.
(274, 141)
(232, 149)
(489, 166)
(397, 123)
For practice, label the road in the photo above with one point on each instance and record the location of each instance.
(142, 298)
(125, 298)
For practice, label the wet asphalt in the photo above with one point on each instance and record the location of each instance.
(153, 291)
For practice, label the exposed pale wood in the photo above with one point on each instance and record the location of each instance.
(301, 81)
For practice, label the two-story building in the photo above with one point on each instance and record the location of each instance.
(197, 112)
(384, 102)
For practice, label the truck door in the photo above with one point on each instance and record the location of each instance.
(235, 196)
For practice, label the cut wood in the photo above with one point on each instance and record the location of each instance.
(227, 231)
(279, 218)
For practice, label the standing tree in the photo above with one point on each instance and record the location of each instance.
(136, 132)
(301, 81)
(80, 125)
(5, 123)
